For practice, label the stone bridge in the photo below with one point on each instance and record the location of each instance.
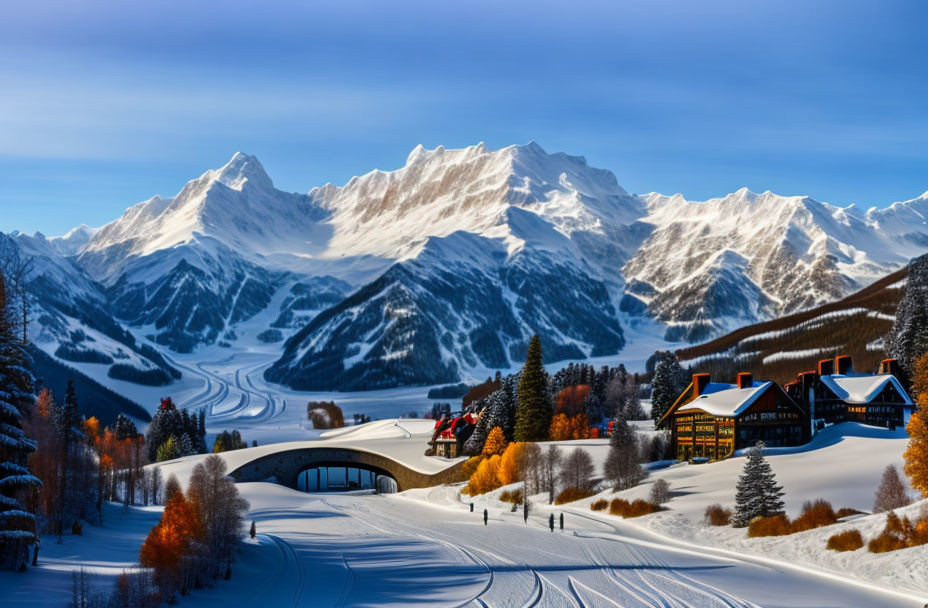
(284, 467)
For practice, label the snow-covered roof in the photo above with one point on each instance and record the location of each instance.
(862, 388)
(727, 401)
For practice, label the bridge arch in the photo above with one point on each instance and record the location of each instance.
(284, 467)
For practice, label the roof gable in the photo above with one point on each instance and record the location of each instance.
(732, 401)
(863, 388)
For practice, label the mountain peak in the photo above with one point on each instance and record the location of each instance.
(241, 169)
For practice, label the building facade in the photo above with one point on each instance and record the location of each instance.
(711, 420)
(834, 393)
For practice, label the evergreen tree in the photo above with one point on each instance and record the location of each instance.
(667, 384)
(756, 493)
(125, 428)
(501, 408)
(533, 413)
(17, 396)
(474, 444)
(908, 339)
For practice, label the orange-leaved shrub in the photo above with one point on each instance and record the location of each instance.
(600, 505)
(636, 508)
(572, 494)
(775, 525)
(849, 540)
(495, 443)
(470, 466)
(716, 515)
(815, 515)
(513, 496)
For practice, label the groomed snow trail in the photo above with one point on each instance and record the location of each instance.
(356, 550)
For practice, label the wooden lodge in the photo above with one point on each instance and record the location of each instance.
(712, 419)
(835, 393)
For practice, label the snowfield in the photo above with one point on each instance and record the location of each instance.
(426, 548)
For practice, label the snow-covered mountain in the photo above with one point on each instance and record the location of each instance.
(71, 318)
(709, 267)
(446, 266)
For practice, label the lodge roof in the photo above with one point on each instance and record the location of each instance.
(862, 388)
(727, 399)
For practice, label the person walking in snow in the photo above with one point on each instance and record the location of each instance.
(551, 522)
(562, 521)
(486, 516)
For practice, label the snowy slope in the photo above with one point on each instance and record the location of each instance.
(72, 320)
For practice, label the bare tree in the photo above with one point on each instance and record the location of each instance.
(577, 470)
(660, 492)
(531, 469)
(623, 464)
(550, 467)
(16, 269)
(891, 494)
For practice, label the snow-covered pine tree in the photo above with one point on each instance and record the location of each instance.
(474, 444)
(908, 339)
(756, 493)
(533, 413)
(17, 395)
(667, 384)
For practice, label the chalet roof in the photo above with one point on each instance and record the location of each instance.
(727, 401)
(862, 388)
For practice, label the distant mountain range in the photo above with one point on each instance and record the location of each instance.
(447, 266)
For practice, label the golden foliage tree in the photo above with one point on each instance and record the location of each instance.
(572, 400)
(496, 442)
(916, 454)
(486, 478)
(511, 463)
(169, 541)
(560, 428)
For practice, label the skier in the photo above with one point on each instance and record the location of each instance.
(486, 516)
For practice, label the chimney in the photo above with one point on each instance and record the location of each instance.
(826, 367)
(745, 380)
(889, 366)
(699, 384)
(843, 364)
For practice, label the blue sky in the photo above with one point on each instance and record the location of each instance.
(103, 104)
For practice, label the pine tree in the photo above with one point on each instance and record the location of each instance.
(17, 396)
(533, 413)
(891, 494)
(474, 444)
(756, 493)
(667, 384)
(908, 339)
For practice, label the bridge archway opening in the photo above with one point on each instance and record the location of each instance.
(344, 477)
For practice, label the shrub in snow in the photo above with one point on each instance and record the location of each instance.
(660, 492)
(775, 525)
(600, 505)
(847, 512)
(815, 515)
(757, 493)
(716, 515)
(849, 540)
(572, 494)
(636, 508)
(891, 494)
(513, 496)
